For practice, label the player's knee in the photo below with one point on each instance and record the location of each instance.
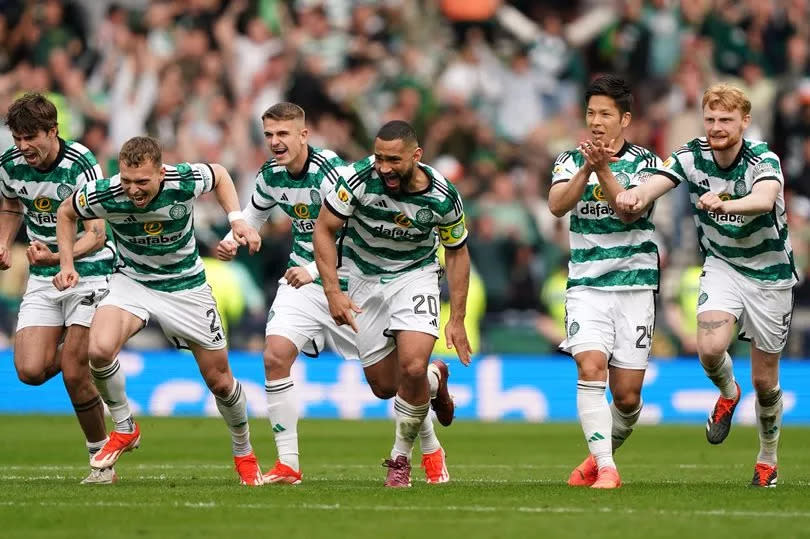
(592, 371)
(414, 369)
(99, 354)
(382, 390)
(30, 375)
(274, 362)
(764, 384)
(627, 402)
(711, 352)
(220, 384)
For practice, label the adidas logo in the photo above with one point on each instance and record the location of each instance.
(23, 191)
(284, 197)
(434, 323)
(217, 338)
(278, 428)
(381, 204)
(130, 219)
(704, 183)
(596, 437)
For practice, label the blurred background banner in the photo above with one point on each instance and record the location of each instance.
(521, 388)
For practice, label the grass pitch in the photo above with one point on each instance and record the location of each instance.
(507, 480)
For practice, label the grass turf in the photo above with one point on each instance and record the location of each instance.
(507, 480)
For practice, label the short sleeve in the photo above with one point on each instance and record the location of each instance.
(564, 168)
(342, 200)
(4, 189)
(671, 168)
(204, 178)
(86, 201)
(452, 228)
(261, 199)
(768, 168)
(646, 170)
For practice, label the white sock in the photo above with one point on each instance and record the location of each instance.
(111, 385)
(234, 411)
(283, 413)
(409, 419)
(434, 377)
(769, 419)
(427, 437)
(622, 424)
(722, 376)
(596, 421)
(95, 447)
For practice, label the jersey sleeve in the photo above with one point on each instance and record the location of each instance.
(564, 168)
(671, 168)
(452, 228)
(342, 200)
(645, 170)
(87, 201)
(768, 168)
(204, 178)
(4, 189)
(261, 200)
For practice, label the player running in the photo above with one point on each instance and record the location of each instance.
(612, 277)
(297, 179)
(394, 205)
(149, 209)
(36, 174)
(736, 189)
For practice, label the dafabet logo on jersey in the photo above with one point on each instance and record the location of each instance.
(153, 228)
(598, 194)
(302, 210)
(43, 204)
(402, 220)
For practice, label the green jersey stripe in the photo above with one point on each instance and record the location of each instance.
(580, 256)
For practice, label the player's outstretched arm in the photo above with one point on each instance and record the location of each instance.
(564, 195)
(458, 277)
(636, 201)
(11, 216)
(761, 200)
(243, 233)
(66, 219)
(323, 239)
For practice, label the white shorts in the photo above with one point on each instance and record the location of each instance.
(408, 302)
(44, 305)
(302, 316)
(763, 314)
(617, 323)
(186, 316)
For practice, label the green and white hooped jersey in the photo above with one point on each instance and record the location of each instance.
(386, 234)
(41, 192)
(300, 197)
(757, 247)
(156, 244)
(605, 252)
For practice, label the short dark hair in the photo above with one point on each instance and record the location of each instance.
(31, 113)
(398, 130)
(140, 150)
(613, 87)
(284, 111)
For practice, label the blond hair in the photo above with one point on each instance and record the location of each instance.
(727, 97)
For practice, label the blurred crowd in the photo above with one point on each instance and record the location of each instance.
(493, 88)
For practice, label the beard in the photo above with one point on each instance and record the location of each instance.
(721, 145)
(403, 179)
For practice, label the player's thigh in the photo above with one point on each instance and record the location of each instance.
(634, 315)
(625, 388)
(214, 368)
(35, 352)
(719, 307)
(414, 304)
(41, 306)
(413, 352)
(111, 328)
(383, 376)
(374, 340)
(766, 317)
(588, 321)
(189, 317)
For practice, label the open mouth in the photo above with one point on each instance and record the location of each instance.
(279, 152)
(139, 200)
(391, 181)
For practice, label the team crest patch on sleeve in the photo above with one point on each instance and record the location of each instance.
(82, 200)
(343, 194)
(766, 168)
(669, 162)
(558, 169)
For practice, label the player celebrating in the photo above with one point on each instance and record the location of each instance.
(297, 179)
(389, 247)
(612, 277)
(736, 188)
(149, 208)
(36, 174)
